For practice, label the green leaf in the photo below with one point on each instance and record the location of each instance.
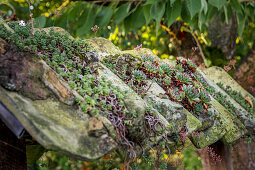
(208, 62)
(88, 21)
(194, 7)
(104, 16)
(226, 14)
(185, 14)
(61, 21)
(173, 12)
(122, 12)
(75, 12)
(152, 2)
(241, 23)
(193, 24)
(204, 6)
(146, 13)
(157, 11)
(201, 20)
(235, 4)
(172, 1)
(40, 21)
(217, 3)
(211, 12)
(133, 21)
(249, 11)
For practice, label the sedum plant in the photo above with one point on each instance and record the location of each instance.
(138, 76)
(191, 92)
(183, 77)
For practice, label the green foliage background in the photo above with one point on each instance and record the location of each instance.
(130, 24)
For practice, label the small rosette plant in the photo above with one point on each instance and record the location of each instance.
(204, 96)
(191, 64)
(166, 68)
(183, 77)
(138, 76)
(150, 67)
(191, 92)
(176, 95)
(148, 58)
(167, 81)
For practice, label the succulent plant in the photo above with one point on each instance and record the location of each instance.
(197, 84)
(245, 102)
(191, 92)
(166, 68)
(181, 60)
(198, 109)
(176, 94)
(160, 72)
(138, 76)
(65, 56)
(150, 67)
(205, 96)
(191, 64)
(148, 58)
(200, 79)
(183, 77)
(179, 68)
(167, 81)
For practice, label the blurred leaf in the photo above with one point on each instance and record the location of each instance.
(103, 17)
(173, 12)
(122, 12)
(249, 11)
(185, 14)
(208, 62)
(75, 11)
(217, 3)
(152, 1)
(204, 6)
(201, 20)
(193, 23)
(146, 13)
(134, 22)
(226, 14)
(241, 23)
(88, 21)
(172, 1)
(194, 7)
(211, 12)
(61, 20)
(235, 4)
(40, 21)
(157, 11)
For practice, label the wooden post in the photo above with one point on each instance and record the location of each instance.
(12, 150)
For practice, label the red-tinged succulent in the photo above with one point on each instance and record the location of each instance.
(183, 77)
(167, 81)
(191, 92)
(167, 69)
(179, 68)
(205, 96)
(176, 95)
(151, 68)
(148, 58)
(138, 76)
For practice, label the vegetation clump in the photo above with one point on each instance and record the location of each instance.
(69, 59)
(178, 81)
(245, 102)
(221, 98)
